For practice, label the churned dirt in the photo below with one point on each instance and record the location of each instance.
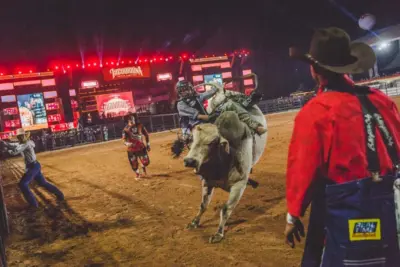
(110, 219)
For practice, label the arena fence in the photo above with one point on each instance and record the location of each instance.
(153, 123)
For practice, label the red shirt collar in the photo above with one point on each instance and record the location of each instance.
(324, 83)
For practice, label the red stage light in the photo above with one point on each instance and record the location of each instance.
(107, 63)
(88, 65)
(145, 60)
(101, 65)
(30, 71)
(1, 74)
(83, 66)
(68, 67)
(151, 61)
(19, 72)
(117, 64)
(161, 58)
(77, 65)
(184, 56)
(140, 61)
(112, 63)
(56, 67)
(123, 62)
(154, 59)
(130, 61)
(170, 57)
(166, 59)
(95, 64)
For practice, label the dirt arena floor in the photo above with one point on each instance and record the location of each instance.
(110, 219)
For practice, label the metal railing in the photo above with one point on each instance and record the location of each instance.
(153, 123)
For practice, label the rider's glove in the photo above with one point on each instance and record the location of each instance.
(148, 146)
(128, 144)
(212, 117)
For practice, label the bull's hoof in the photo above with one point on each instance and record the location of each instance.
(193, 225)
(216, 238)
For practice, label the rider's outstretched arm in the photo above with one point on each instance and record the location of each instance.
(208, 94)
(185, 111)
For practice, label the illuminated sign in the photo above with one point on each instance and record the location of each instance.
(10, 111)
(164, 77)
(7, 135)
(72, 92)
(12, 123)
(54, 118)
(6, 86)
(181, 78)
(90, 84)
(111, 74)
(50, 94)
(48, 82)
(246, 72)
(8, 98)
(23, 83)
(222, 65)
(248, 82)
(74, 103)
(198, 78)
(52, 106)
(63, 127)
(227, 75)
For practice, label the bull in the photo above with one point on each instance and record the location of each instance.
(223, 154)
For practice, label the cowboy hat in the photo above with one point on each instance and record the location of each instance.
(332, 50)
(21, 132)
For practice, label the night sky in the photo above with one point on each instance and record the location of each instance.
(40, 31)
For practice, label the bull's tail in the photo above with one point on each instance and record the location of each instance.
(253, 183)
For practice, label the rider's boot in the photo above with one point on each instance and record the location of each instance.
(144, 171)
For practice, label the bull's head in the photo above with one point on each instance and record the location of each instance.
(206, 146)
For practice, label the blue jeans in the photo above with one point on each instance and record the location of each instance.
(33, 171)
(360, 226)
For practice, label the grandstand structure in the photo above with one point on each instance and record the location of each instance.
(386, 73)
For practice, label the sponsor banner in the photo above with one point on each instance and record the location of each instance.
(63, 126)
(129, 72)
(7, 135)
(12, 123)
(10, 111)
(115, 105)
(52, 106)
(54, 118)
(32, 111)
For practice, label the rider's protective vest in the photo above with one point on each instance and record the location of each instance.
(134, 136)
(193, 102)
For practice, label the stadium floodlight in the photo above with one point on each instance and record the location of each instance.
(383, 46)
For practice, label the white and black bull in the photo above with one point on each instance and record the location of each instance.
(223, 154)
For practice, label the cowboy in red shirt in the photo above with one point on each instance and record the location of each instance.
(343, 159)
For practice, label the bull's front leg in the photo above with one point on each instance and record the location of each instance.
(235, 194)
(206, 194)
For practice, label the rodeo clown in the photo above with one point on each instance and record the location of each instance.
(33, 171)
(132, 135)
(343, 159)
(190, 107)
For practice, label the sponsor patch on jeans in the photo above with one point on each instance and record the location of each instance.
(364, 229)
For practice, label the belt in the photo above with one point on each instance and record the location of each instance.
(31, 163)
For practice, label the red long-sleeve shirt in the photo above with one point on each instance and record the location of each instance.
(328, 140)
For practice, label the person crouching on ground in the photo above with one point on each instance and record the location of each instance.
(343, 159)
(132, 135)
(33, 171)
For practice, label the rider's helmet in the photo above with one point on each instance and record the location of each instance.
(184, 89)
